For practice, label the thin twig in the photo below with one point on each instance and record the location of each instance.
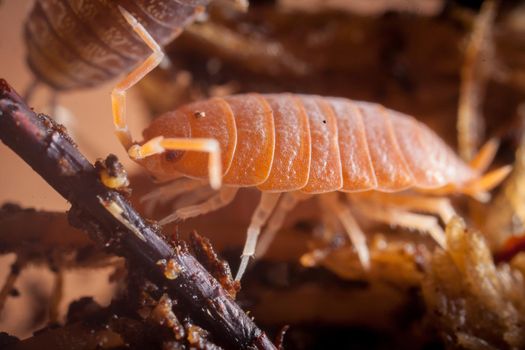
(111, 221)
(477, 67)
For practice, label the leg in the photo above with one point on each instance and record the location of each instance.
(401, 218)
(433, 205)
(356, 235)
(167, 192)
(118, 95)
(259, 218)
(331, 224)
(287, 203)
(194, 197)
(485, 156)
(159, 144)
(478, 189)
(221, 199)
(172, 190)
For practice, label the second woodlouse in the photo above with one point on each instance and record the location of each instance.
(304, 145)
(77, 44)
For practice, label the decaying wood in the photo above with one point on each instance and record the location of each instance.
(505, 216)
(111, 221)
(474, 303)
(220, 269)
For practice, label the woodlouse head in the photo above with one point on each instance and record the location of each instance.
(173, 156)
(174, 124)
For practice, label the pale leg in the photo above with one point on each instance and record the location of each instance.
(259, 218)
(485, 156)
(160, 144)
(221, 199)
(287, 203)
(172, 190)
(194, 197)
(118, 95)
(401, 218)
(439, 206)
(169, 192)
(331, 224)
(356, 235)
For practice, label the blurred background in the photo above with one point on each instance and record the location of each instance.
(426, 58)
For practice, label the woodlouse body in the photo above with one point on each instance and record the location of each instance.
(80, 43)
(285, 142)
(310, 145)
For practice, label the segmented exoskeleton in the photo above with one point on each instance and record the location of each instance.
(303, 145)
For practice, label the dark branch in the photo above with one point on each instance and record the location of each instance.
(111, 221)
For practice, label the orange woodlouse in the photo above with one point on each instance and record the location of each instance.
(309, 145)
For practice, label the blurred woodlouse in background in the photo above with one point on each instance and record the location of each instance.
(304, 145)
(78, 44)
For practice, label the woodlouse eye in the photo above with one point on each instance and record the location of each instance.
(172, 156)
(324, 121)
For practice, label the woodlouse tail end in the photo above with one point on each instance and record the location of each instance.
(485, 156)
(479, 188)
